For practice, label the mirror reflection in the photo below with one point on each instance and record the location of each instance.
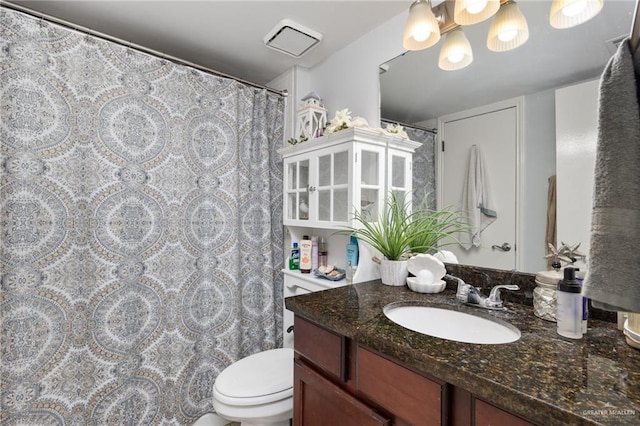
(533, 79)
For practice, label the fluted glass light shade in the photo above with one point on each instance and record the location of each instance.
(569, 13)
(456, 51)
(421, 30)
(508, 30)
(468, 12)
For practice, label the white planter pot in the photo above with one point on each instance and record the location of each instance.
(393, 272)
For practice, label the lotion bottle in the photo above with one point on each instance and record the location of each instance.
(305, 255)
(569, 315)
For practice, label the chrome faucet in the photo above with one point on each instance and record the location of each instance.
(466, 293)
(494, 301)
(462, 293)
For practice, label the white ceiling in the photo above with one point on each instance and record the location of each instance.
(226, 36)
(415, 89)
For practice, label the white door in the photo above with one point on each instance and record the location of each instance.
(494, 131)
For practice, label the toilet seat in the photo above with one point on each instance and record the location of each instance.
(260, 378)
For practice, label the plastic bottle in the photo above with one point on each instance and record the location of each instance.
(349, 273)
(314, 253)
(294, 258)
(352, 252)
(585, 304)
(322, 253)
(569, 315)
(305, 255)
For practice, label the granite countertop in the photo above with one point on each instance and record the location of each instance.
(543, 376)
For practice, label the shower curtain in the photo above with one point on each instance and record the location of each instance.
(140, 227)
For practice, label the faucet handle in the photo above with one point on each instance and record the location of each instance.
(494, 296)
(462, 292)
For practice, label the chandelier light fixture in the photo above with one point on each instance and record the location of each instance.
(421, 30)
(569, 13)
(469, 12)
(456, 51)
(508, 30)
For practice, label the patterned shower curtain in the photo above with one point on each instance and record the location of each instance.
(141, 236)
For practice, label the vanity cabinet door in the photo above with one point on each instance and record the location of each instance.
(489, 415)
(321, 347)
(412, 398)
(319, 402)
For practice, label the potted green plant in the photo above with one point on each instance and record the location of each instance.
(398, 233)
(430, 230)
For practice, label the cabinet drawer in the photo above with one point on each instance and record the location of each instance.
(487, 414)
(319, 402)
(412, 398)
(321, 347)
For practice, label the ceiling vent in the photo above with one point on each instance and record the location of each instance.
(292, 38)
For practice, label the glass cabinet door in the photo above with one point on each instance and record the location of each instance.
(333, 187)
(297, 175)
(371, 183)
(400, 176)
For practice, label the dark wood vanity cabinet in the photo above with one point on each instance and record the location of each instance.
(319, 402)
(340, 383)
(337, 382)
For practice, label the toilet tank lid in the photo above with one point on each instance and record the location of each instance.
(260, 374)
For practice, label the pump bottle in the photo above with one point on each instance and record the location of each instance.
(569, 315)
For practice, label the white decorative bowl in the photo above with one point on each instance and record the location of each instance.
(426, 261)
(434, 287)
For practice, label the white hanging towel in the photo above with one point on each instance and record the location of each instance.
(478, 210)
(613, 275)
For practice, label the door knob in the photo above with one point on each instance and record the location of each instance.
(503, 247)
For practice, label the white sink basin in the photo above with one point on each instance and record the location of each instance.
(452, 325)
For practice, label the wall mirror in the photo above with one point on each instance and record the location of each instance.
(415, 91)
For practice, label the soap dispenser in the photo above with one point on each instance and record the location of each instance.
(569, 315)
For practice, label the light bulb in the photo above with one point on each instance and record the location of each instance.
(476, 6)
(574, 8)
(421, 32)
(455, 56)
(507, 35)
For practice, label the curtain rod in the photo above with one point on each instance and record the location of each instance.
(413, 126)
(138, 47)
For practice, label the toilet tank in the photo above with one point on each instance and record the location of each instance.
(296, 283)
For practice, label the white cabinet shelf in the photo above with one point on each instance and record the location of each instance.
(328, 178)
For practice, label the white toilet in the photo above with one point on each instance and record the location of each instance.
(257, 390)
